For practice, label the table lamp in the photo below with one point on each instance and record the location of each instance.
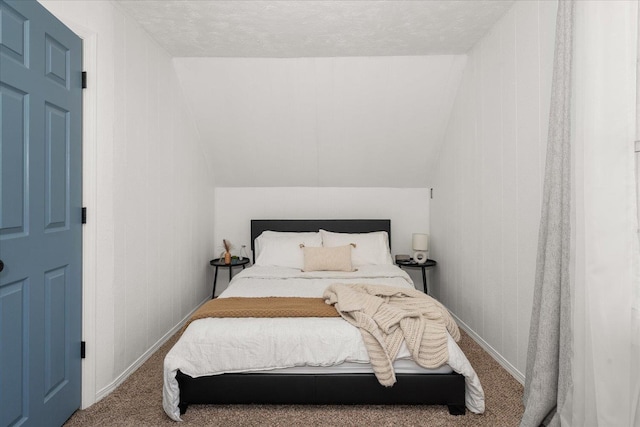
(420, 244)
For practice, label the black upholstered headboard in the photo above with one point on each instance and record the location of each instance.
(335, 225)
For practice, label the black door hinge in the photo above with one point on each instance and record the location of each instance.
(84, 215)
(431, 193)
(84, 80)
(83, 349)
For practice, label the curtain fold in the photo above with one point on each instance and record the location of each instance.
(605, 275)
(584, 345)
(635, 333)
(548, 373)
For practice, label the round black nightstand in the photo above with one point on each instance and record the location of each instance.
(412, 264)
(218, 262)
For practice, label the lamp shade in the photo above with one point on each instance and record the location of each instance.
(420, 242)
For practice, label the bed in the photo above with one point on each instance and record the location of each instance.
(309, 360)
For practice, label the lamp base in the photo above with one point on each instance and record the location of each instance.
(420, 257)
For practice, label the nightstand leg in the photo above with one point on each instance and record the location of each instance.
(424, 281)
(215, 279)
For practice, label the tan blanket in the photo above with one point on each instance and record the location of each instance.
(387, 316)
(264, 307)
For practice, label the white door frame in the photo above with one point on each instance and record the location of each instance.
(89, 197)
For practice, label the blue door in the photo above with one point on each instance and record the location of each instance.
(40, 216)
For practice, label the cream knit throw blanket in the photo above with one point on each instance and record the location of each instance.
(387, 315)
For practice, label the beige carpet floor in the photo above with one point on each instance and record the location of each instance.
(138, 402)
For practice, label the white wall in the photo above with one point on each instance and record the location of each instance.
(407, 208)
(322, 122)
(487, 195)
(158, 219)
(152, 195)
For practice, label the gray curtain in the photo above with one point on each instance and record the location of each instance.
(548, 375)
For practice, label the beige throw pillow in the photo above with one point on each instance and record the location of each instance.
(327, 259)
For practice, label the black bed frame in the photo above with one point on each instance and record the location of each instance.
(260, 388)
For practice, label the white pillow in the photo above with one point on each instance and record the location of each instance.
(371, 248)
(285, 250)
(257, 244)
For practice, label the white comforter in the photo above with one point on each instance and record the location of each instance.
(218, 346)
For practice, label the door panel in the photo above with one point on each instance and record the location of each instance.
(56, 185)
(14, 336)
(40, 213)
(55, 357)
(57, 62)
(13, 208)
(15, 35)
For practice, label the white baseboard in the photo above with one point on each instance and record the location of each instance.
(105, 391)
(515, 373)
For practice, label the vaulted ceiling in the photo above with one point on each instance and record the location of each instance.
(319, 93)
(322, 122)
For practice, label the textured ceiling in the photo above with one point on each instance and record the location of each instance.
(300, 28)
